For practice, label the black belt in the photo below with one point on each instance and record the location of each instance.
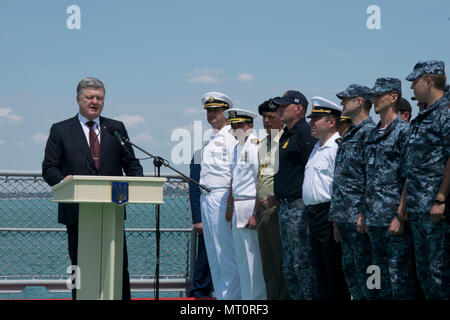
(317, 207)
(289, 199)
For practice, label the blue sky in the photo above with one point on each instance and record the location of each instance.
(157, 59)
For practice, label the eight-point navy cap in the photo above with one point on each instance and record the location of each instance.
(355, 90)
(427, 67)
(384, 85)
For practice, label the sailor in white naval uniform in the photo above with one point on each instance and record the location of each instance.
(215, 173)
(244, 186)
(317, 190)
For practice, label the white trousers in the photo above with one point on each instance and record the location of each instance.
(219, 246)
(249, 262)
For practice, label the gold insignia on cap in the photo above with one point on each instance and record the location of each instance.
(238, 120)
(321, 110)
(210, 99)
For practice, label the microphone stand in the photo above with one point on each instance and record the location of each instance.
(158, 162)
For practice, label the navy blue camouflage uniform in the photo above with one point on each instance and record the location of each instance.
(393, 254)
(426, 154)
(295, 146)
(347, 200)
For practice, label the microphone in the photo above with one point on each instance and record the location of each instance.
(115, 132)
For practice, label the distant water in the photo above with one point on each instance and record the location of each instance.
(42, 293)
(35, 253)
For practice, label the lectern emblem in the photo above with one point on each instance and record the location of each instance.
(119, 192)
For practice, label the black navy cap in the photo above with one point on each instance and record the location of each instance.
(268, 106)
(292, 97)
(403, 105)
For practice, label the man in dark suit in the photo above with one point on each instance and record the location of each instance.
(201, 280)
(82, 145)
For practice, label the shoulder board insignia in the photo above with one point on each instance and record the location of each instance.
(255, 141)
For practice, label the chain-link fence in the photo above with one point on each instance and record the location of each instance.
(33, 246)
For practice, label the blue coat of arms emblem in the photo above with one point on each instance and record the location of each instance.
(119, 192)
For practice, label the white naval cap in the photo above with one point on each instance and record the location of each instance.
(322, 107)
(239, 116)
(216, 100)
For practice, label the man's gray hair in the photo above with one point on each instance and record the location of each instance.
(89, 82)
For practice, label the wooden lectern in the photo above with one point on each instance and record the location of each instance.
(101, 227)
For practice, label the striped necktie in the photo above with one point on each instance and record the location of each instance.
(93, 142)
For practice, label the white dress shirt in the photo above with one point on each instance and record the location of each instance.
(217, 159)
(319, 171)
(245, 168)
(85, 127)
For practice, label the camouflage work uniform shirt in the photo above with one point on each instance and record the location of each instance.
(425, 156)
(349, 175)
(384, 181)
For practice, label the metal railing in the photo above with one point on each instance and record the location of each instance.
(33, 246)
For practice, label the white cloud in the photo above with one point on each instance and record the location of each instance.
(204, 76)
(193, 111)
(40, 138)
(6, 115)
(188, 127)
(130, 121)
(143, 138)
(245, 77)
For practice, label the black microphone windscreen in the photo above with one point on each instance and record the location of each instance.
(112, 128)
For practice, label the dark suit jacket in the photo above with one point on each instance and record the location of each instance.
(194, 190)
(67, 153)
